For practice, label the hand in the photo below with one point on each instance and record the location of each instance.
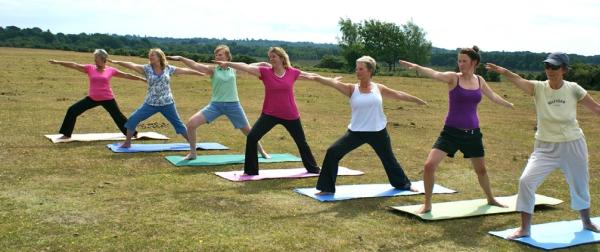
(407, 64)
(175, 58)
(223, 64)
(53, 61)
(111, 61)
(495, 68)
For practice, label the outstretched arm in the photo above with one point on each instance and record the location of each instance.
(262, 63)
(487, 91)
(240, 66)
(446, 77)
(207, 69)
(135, 67)
(590, 104)
(129, 76)
(185, 70)
(69, 64)
(521, 83)
(336, 83)
(395, 94)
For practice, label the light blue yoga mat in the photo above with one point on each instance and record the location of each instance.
(346, 192)
(164, 147)
(205, 160)
(555, 235)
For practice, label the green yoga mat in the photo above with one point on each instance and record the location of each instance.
(469, 208)
(205, 160)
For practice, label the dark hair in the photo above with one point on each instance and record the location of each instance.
(473, 53)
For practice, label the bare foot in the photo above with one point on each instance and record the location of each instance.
(63, 137)
(125, 145)
(323, 193)
(520, 232)
(265, 155)
(496, 203)
(190, 156)
(413, 188)
(424, 209)
(592, 227)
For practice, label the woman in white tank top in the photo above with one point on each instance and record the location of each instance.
(366, 126)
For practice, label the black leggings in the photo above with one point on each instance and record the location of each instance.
(87, 103)
(263, 125)
(379, 141)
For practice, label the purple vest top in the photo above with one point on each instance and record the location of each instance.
(462, 107)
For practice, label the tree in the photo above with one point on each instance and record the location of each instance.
(350, 43)
(383, 41)
(331, 62)
(415, 48)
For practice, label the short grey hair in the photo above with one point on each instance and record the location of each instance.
(101, 53)
(369, 62)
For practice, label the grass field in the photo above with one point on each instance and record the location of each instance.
(82, 197)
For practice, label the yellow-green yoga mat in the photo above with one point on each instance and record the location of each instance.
(469, 208)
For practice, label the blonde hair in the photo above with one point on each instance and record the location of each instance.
(101, 53)
(282, 54)
(369, 62)
(161, 57)
(225, 50)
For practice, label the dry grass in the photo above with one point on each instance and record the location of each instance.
(80, 196)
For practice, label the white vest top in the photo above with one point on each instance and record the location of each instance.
(367, 110)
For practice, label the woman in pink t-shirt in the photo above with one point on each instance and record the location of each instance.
(99, 92)
(279, 107)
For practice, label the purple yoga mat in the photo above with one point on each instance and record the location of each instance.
(281, 173)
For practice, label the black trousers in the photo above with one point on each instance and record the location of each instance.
(263, 125)
(379, 141)
(87, 103)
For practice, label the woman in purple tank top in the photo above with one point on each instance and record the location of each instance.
(461, 129)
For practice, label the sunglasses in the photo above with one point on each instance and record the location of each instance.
(550, 66)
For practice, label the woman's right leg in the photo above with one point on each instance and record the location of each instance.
(434, 158)
(193, 123)
(294, 127)
(263, 125)
(72, 113)
(335, 153)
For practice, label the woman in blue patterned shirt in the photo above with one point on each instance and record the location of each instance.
(159, 97)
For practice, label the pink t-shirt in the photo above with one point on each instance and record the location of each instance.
(100, 89)
(279, 93)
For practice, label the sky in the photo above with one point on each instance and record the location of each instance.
(509, 25)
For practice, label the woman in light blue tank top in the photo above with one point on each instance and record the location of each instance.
(461, 130)
(367, 125)
(224, 100)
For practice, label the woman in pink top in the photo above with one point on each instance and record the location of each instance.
(279, 107)
(99, 92)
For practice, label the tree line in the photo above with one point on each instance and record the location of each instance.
(386, 42)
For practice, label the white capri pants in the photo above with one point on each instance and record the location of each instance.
(571, 157)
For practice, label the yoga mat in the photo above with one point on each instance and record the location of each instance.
(281, 173)
(205, 160)
(469, 208)
(104, 137)
(164, 147)
(346, 192)
(555, 235)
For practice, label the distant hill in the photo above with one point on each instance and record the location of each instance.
(247, 50)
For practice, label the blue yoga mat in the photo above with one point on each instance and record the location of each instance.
(555, 235)
(164, 147)
(346, 192)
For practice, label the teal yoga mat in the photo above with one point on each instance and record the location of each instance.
(207, 160)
